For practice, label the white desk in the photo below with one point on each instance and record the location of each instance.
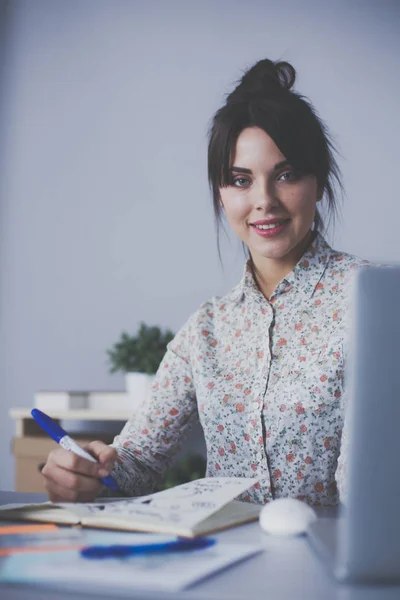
(287, 570)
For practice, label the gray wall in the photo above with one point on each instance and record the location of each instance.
(105, 214)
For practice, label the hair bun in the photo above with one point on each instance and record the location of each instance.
(264, 77)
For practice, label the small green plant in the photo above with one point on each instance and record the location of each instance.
(140, 353)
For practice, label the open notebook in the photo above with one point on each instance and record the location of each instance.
(189, 510)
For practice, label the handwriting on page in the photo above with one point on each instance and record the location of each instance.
(186, 504)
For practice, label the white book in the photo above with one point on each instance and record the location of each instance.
(110, 401)
(60, 401)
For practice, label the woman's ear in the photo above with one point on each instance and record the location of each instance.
(320, 193)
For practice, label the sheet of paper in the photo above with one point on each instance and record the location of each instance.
(169, 571)
(184, 505)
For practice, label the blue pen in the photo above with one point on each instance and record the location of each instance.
(60, 436)
(123, 551)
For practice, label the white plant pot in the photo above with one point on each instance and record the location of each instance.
(138, 387)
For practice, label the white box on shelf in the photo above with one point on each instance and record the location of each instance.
(61, 401)
(110, 401)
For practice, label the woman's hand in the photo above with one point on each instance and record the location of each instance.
(71, 478)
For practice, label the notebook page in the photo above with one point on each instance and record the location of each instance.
(183, 506)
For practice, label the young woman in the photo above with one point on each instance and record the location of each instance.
(263, 367)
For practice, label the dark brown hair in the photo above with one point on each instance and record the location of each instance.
(264, 98)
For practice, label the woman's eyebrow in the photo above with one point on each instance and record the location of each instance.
(241, 170)
(283, 163)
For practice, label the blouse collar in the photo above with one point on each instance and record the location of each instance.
(305, 276)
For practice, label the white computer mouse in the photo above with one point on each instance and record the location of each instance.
(286, 516)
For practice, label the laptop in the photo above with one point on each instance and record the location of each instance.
(363, 545)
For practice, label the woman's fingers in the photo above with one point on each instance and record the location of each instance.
(58, 493)
(72, 478)
(106, 455)
(72, 462)
(66, 486)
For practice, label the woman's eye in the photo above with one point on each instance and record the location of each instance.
(240, 182)
(288, 176)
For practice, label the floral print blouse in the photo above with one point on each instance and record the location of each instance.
(265, 378)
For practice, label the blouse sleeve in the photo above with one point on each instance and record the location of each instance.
(153, 436)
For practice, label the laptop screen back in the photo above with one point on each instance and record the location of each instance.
(369, 540)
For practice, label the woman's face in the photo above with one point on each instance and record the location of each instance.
(268, 205)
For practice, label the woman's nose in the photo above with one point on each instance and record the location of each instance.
(264, 196)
